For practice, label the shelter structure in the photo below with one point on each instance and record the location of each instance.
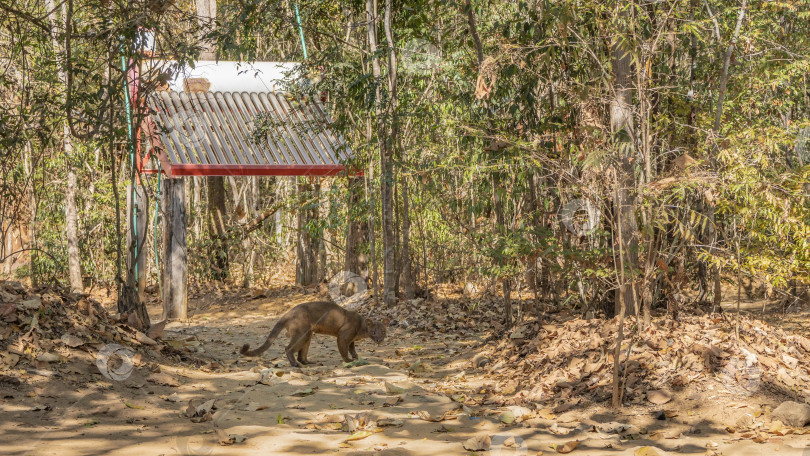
(203, 123)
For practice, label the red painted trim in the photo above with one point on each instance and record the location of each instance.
(257, 170)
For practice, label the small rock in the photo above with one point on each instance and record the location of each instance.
(792, 413)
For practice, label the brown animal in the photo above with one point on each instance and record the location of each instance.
(320, 317)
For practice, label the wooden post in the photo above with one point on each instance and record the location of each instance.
(174, 247)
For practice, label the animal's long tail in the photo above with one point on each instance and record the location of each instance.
(246, 351)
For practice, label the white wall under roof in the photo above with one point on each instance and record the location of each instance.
(228, 76)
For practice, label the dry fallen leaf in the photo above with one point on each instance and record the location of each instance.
(480, 442)
(568, 447)
(659, 397)
(359, 435)
(390, 422)
(507, 417)
(71, 341)
(304, 392)
(390, 388)
(559, 430)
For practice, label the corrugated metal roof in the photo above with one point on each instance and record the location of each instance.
(212, 129)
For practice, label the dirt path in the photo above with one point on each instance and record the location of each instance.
(410, 377)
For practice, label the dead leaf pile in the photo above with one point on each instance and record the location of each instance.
(45, 327)
(558, 361)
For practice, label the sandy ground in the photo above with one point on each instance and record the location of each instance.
(79, 412)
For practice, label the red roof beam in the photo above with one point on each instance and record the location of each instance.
(258, 170)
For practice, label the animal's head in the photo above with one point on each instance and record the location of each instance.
(375, 330)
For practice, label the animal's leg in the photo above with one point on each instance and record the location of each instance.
(352, 351)
(297, 339)
(343, 342)
(302, 353)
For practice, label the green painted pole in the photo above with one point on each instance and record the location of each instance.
(300, 30)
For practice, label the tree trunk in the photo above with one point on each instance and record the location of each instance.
(32, 224)
(174, 250)
(726, 63)
(206, 14)
(621, 118)
(306, 272)
(71, 211)
(131, 301)
(72, 222)
(217, 227)
(718, 292)
(320, 244)
(406, 272)
(372, 237)
(384, 143)
(356, 261)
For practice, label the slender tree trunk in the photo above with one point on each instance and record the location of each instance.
(320, 245)
(217, 227)
(306, 272)
(406, 272)
(724, 76)
(621, 117)
(72, 222)
(356, 231)
(372, 238)
(206, 14)
(71, 211)
(386, 174)
(32, 209)
(407, 279)
(726, 63)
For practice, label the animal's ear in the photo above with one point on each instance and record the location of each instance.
(386, 321)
